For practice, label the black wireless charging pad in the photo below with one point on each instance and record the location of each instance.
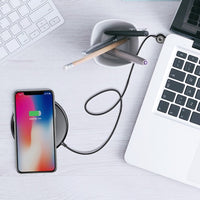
(61, 125)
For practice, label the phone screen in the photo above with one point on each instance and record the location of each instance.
(35, 135)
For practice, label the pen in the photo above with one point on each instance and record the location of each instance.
(101, 45)
(97, 53)
(128, 57)
(128, 33)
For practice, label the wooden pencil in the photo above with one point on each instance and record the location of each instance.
(97, 53)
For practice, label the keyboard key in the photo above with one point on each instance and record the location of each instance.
(178, 75)
(197, 96)
(181, 54)
(44, 28)
(15, 3)
(193, 58)
(189, 91)
(3, 53)
(12, 45)
(33, 4)
(194, 16)
(174, 110)
(41, 12)
(54, 21)
(34, 34)
(191, 103)
(189, 67)
(42, 23)
(185, 114)
(180, 100)
(197, 70)
(5, 9)
(198, 83)
(15, 29)
(23, 10)
(5, 36)
(175, 86)
(191, 79)
(196, 3)
(4, 23)
(178, 63)
(25, 23)
(196, 10)
(195, 118)
(193, 22)
(163, 106)
(169, 96)
(23, 38)
(198, 107)
(13, 17)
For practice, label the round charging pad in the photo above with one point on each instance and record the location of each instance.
(61, 125)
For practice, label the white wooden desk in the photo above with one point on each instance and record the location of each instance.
(104, 175)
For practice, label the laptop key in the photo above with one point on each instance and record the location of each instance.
(192, 22)
(198, 107)
(196, 3)
(185, 114)
(194, 16)
(191, 79)
(163, 106)
(197, 96)
(178, 63)
(197, 70)
(195, 118)
(178, 75)
(181, 54)
(174, 110)
(169, 96)
(189, 91)
(191, 103)
(175, 86)
(198, 83)
(180, 100)
(3, 52)
(196, 10)
(193, 58)
(189, 67)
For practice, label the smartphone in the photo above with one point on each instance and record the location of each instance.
(35, 131)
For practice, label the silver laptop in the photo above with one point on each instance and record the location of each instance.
(166, 136)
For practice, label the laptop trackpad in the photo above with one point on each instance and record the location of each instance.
(194, 171)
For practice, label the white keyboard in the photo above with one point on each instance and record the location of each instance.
(22, 22)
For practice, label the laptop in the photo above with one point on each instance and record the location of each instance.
(166, 136)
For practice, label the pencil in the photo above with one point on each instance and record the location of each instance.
(96, 53)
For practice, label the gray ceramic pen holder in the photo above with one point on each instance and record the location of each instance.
(98, 36)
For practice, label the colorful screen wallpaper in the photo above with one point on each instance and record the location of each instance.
(34, 130)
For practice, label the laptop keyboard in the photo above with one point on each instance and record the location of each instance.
(194, 17)
(181, 95)
(23, 22)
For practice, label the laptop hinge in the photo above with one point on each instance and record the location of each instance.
(196, 43)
